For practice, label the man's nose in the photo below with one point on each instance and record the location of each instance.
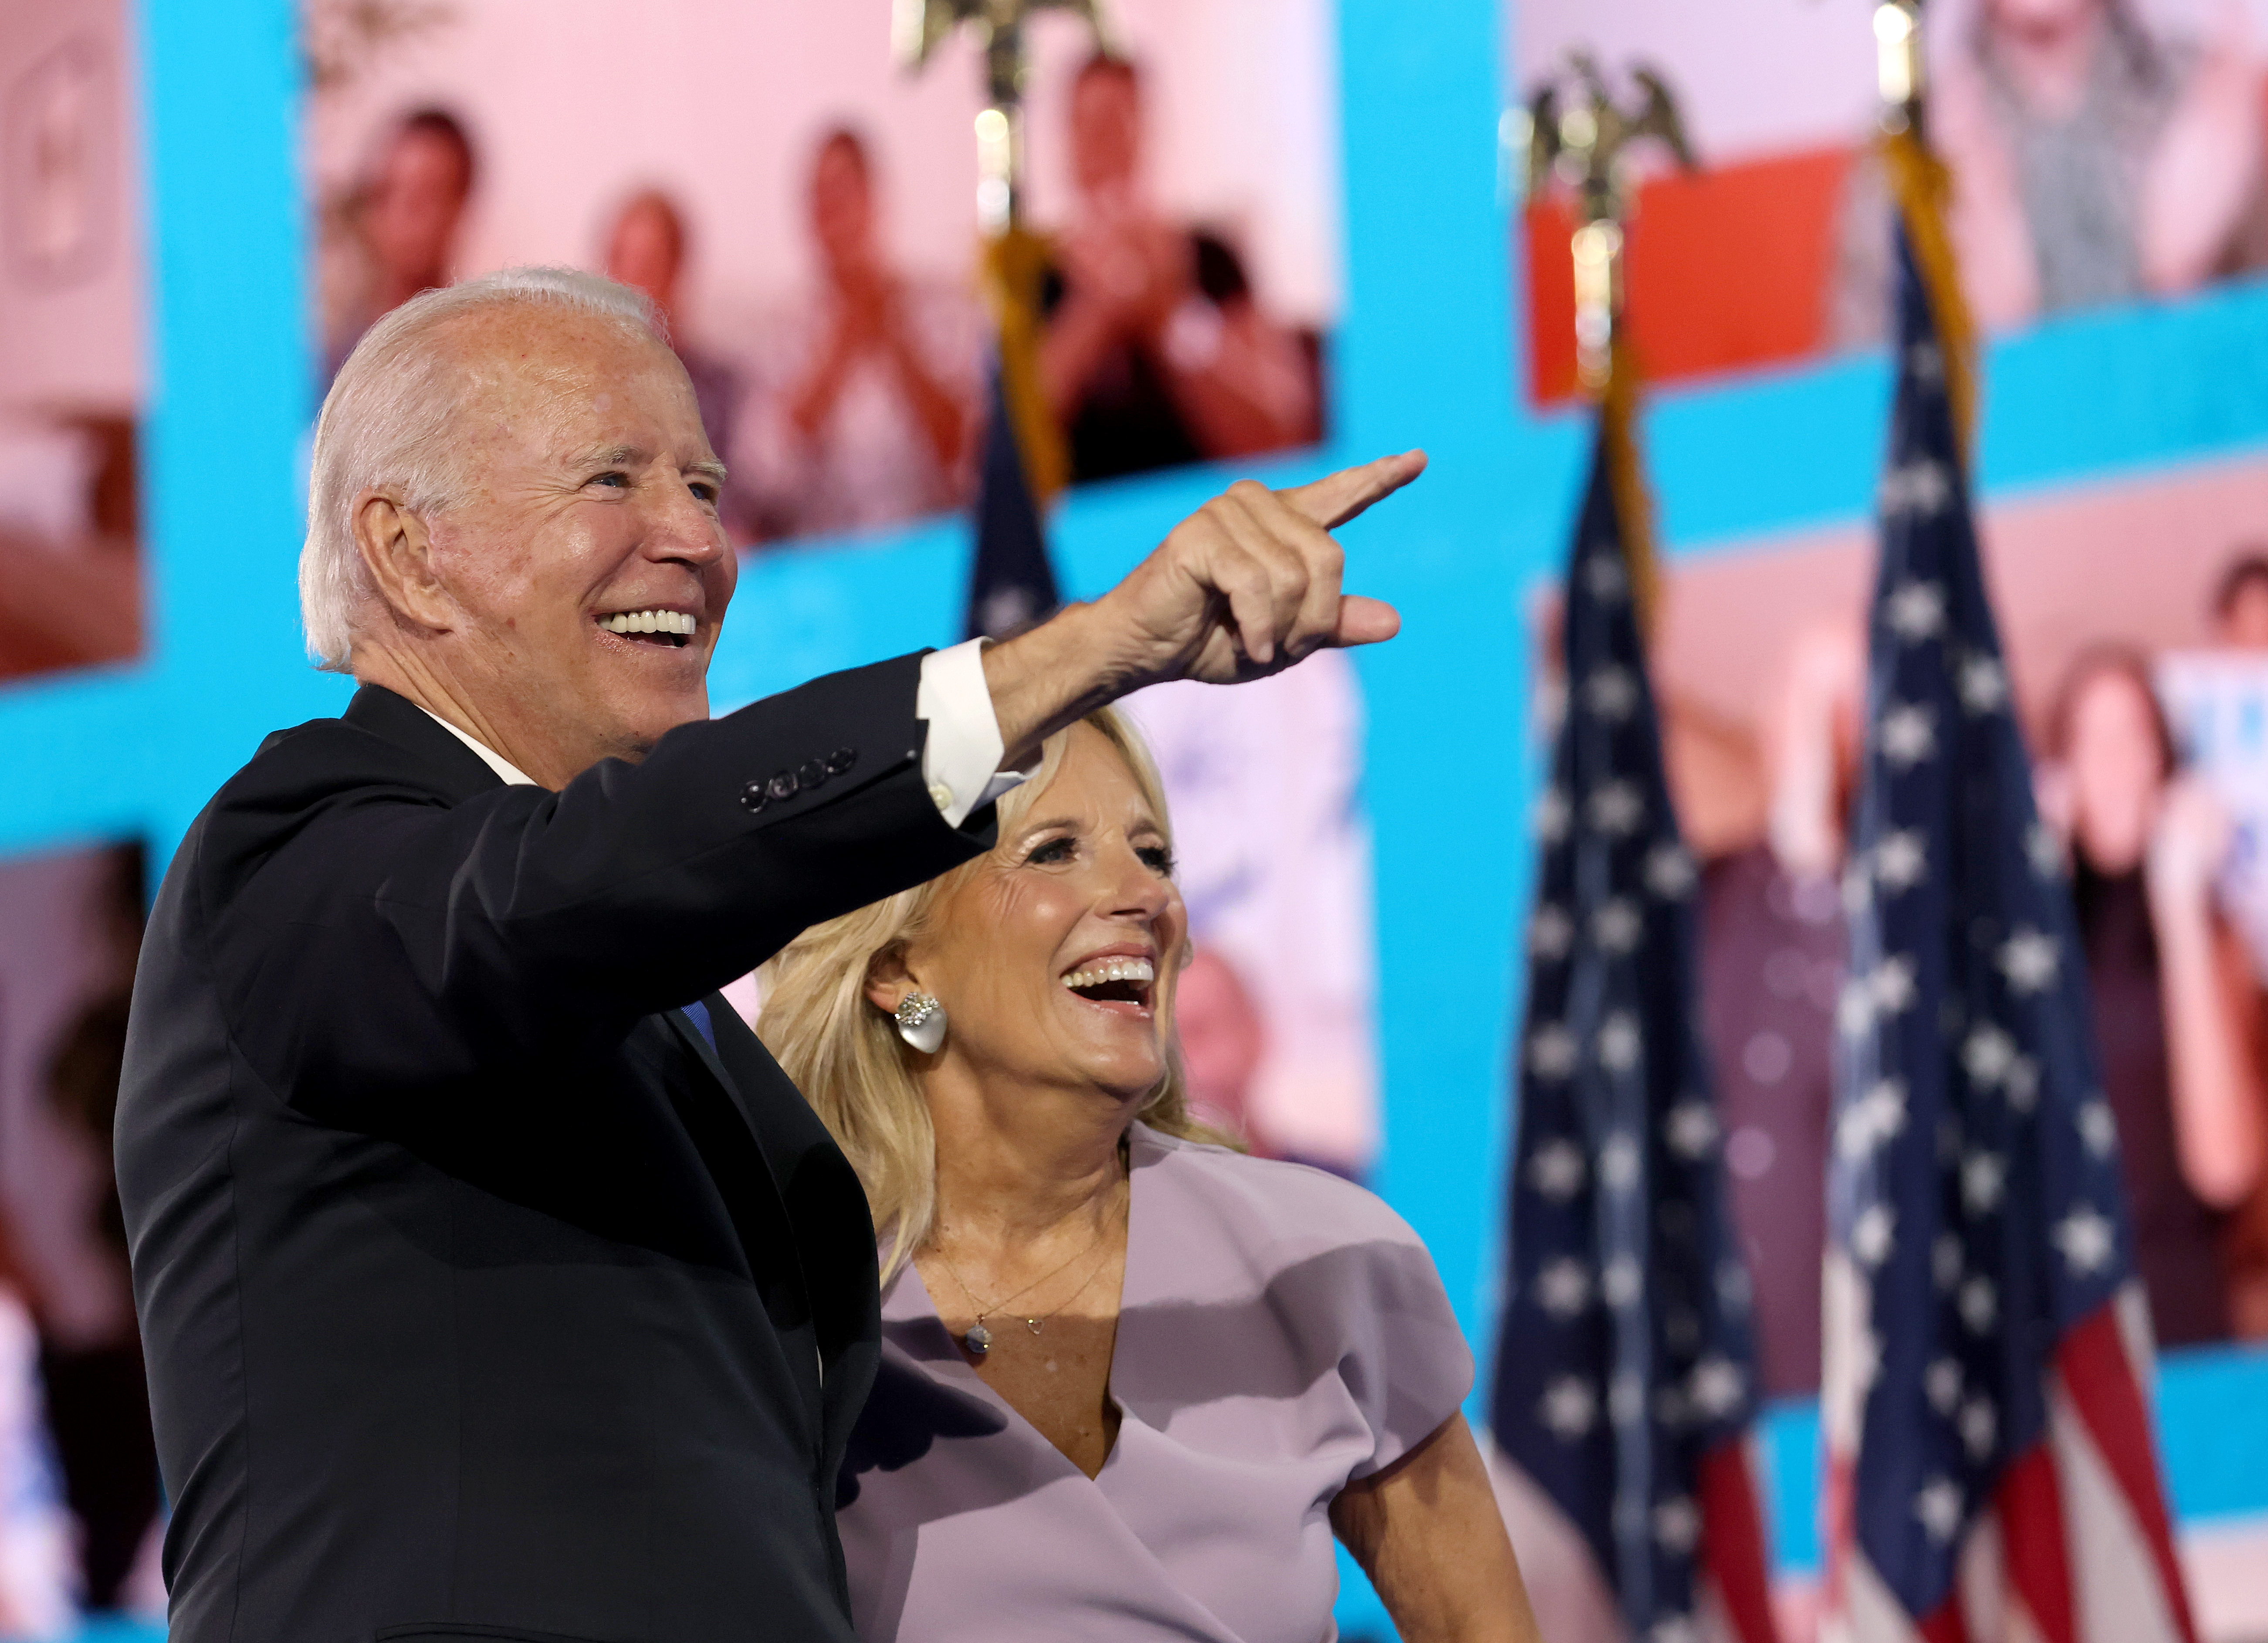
(680, 526)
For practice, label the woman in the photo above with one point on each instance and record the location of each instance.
(2175, 1010)
(1131, 1380)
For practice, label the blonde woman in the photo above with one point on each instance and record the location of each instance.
(1132, 1381)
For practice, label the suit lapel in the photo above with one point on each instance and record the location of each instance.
(769, 1221)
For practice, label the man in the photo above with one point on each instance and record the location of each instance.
(1156, 352)
(495, 1282)
(407, 219)
(865, 389)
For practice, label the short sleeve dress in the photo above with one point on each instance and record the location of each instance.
(1280, 1333)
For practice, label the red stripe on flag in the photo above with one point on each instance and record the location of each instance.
(1733, 1542)
(1946, 1623)
(2104, 1389)
(2034, 1542)
(1839, 1515)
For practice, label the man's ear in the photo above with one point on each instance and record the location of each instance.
(397, 549)
(887, 978)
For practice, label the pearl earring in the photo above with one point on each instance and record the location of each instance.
(921, 1022)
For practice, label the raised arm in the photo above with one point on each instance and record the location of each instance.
(1243, 588)
(1427, 1532)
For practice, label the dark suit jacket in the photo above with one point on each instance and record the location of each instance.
(483, 1298)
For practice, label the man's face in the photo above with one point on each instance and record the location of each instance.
(589, 497)
(1106, 131)
(642, 253)
(841, 205)
(420, 193)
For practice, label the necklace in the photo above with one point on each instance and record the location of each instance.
(978, 1339)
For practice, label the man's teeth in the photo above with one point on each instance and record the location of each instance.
(650, 621)
(1111, 970)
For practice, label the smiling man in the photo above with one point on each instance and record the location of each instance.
(495, 1282)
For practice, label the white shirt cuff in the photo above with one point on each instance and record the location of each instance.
(960, 760)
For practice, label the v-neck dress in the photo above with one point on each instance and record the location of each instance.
(1280, 1333)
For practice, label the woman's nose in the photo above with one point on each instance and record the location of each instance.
(1137, 889)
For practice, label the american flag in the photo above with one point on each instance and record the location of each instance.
(1990, 1473)
(1624, 1382)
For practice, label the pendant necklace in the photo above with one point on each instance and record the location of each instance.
(978, 1339)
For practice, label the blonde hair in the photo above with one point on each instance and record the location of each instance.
(845, 1055)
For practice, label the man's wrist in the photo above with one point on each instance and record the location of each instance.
(1056, 674)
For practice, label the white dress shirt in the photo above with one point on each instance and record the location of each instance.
(960, 758)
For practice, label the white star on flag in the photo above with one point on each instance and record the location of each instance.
(1669, 871)
(1674, 1629)
(1902, 859)
(1916, 610)
(2097, 1127)
(1610, 693)
(1605, 576)
(1677, 1524)
(1909, 734)
(2029, 960)
(2086, 1237)
(1984, 685)
(1871, 1235)
(1618, 1162)
(1619, 1042)
(1938, 1506)
(1617, 807)
(2022, 1083)
(1941, 1384)
(1551, 933)
(1618, 925)
(1622, 1282)
(1551, 1052)
(1872, 1119)
(1892, 985)
(1690, 1129)
(1979, 1305)
(1717, 1387)
(1563, 1286)
(1983, 1178)
(1988, 1053)
(1556, 1170)
(1921, 487)
(2044, 851)
(1979, 1428)
(1552, 816)
(1568, 1408)
(1926, 362)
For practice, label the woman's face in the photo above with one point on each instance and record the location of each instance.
(2117, 771)
(1056, 959)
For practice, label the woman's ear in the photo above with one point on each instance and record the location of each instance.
(888, 979)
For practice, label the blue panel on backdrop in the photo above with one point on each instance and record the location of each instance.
(1426, 353)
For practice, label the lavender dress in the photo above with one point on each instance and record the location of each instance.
(1280, 1333)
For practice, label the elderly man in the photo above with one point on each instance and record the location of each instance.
(495, 1282)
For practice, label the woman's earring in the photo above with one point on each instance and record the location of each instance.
(921, 1022)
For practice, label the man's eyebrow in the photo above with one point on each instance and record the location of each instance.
(631, 456)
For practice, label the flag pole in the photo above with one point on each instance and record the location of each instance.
(1580, 135)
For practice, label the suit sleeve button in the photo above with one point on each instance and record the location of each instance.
(840, 760)
(782, 785)
(810, 774)
(755, 797)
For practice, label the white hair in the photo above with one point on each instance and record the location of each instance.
(387, 424)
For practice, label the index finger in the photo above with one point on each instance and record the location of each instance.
(1334, 500)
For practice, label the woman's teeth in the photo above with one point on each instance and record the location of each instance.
(1109, 971)
(650, 621)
